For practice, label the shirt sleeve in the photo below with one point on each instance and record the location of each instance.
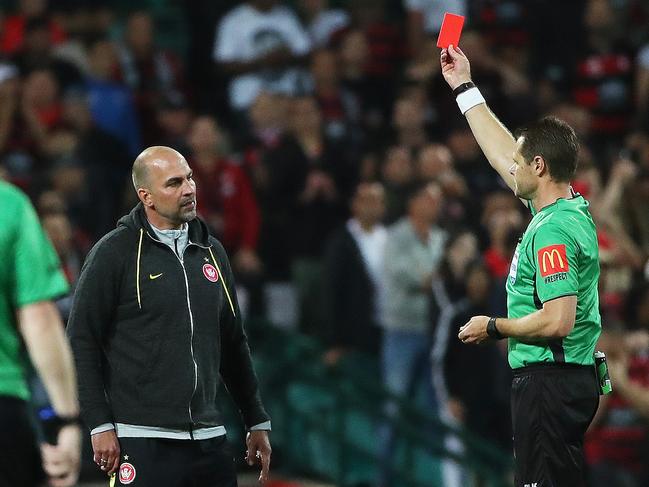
(300, 43)
(226, 42)
(556, 261)
(37, 270)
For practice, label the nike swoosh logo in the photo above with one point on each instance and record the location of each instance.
(151, 276)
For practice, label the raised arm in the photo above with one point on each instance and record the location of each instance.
(496, 142)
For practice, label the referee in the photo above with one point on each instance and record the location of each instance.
(552, 300)
(31, 327)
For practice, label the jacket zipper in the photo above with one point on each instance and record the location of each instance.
(191, 321)
(191, 341)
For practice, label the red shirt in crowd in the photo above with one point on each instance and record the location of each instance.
(621, 435)
(14, 32)
(224, 195)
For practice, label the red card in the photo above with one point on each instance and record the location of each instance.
(450, 31)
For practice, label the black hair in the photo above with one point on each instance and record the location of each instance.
(555, 141)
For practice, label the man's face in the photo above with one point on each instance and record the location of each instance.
(171, 189)
(369, 204)
(427, 203)
(524, 177)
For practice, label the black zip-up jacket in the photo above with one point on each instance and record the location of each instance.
(153, 337)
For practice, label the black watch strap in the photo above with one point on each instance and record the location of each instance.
(492, 331)
(51, 423)
(463, 87)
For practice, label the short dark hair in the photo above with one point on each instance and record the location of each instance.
(555, 141)
(414, 190)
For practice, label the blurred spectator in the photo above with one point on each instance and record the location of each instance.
(635, 211)
(503, 222)
(103, 159)
(386, 51)
(484, 400)
(111, 102)
(398, 175)
(353, 276)
(642, 88)
(224, 198)
(353, 55)
(321, 21)
(408, 123)
(423, 66)
(471, 165)
(36, 52)
(616, 446)
(147, 70)
(304, 182)
(9, 89)
(554, 73)
(268, 122)
(261, 44)
(339, 107)
(482, 403)
(414, 249)
(173, 117)
(435, 163)
(603, 74)
(30, 115)
(12, 31)
(226, 201)
(59, 230)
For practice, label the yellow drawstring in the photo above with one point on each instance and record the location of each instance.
(111, 482)
(225, 287)
(137, 269)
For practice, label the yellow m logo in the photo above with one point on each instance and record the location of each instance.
(549, 256)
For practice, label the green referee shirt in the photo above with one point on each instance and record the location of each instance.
(29, 272)
(557, 256)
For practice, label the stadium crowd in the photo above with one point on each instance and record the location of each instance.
(333, 164)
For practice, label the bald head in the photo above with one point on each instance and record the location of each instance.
(148, 157)
(165, 185)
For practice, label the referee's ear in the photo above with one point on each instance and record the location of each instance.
(539, 165)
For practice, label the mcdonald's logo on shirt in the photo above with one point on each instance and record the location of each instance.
(552, 260)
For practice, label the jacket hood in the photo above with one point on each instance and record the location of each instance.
(136, 219)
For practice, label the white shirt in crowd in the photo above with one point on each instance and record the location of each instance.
(325, 24)
(433, 11)
(246, 34)
(372, 247)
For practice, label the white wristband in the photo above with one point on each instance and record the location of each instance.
(469, 99)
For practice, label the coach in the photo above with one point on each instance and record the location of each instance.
(552, 299)
(154, 327)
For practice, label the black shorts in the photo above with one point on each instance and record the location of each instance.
(153, 462)
(552, 406)
(20, 456)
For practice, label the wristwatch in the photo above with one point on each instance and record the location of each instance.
(462, 88)
(52, 423)
(492, 331)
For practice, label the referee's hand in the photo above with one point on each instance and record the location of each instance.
(475, 330)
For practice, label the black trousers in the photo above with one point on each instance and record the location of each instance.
(552, 406)
(153, 462)
(20, 457)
